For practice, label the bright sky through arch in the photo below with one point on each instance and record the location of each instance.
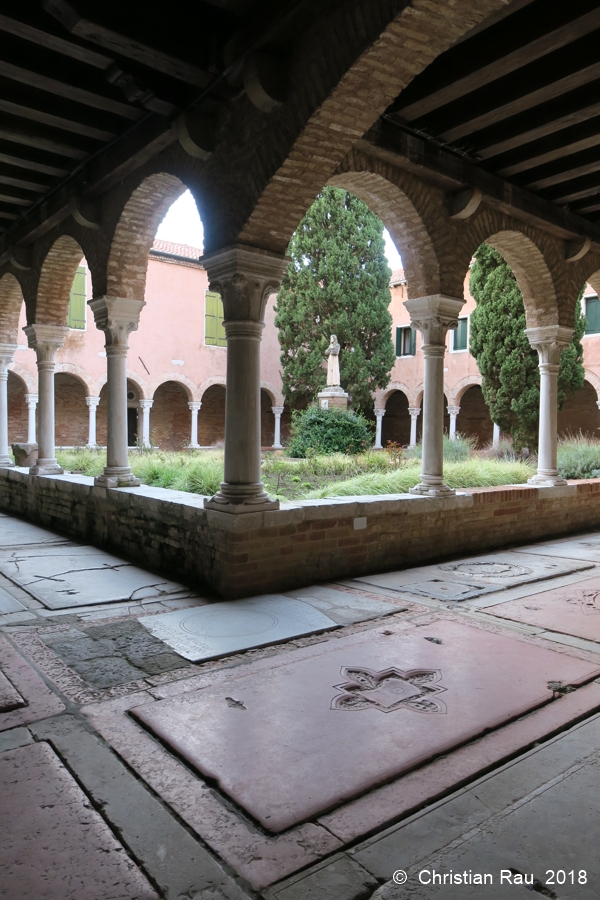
(182, 225)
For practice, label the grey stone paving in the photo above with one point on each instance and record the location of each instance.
(345, 607)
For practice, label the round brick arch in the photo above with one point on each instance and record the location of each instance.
(11, 300)
(56, 280)
(135, 232)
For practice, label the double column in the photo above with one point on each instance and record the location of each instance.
(245, 277)
(7, 353)
(433, 316)
(117, 317)
(46, 340)
(549, 341)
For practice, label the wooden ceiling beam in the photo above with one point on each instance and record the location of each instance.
(68, 91)
(52, 42)
(537, 155)
(578, 189)
(33, 166)
(30, 139)
(506, 64)
(14, 200)
(7, 177)
(44, 118)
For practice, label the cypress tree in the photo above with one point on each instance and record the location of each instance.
(506, 360)
(337, 283)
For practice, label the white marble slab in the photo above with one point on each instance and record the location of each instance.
(583, 548)
(345, 607)
(16, 533)
(62, 578)
(233, 625)
(503, 570)
(8, 604)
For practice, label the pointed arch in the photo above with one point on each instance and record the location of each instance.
(11, 300)
(56, 280)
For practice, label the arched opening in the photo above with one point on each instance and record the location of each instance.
(170, 417)
(395, 426)
(580, 414)
(71, 411)
(474, 417)
(56, 283)
(17, 409)
(211, 420)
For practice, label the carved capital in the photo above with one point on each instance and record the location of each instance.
(244, 277)
(380, 413)
(45, 340)
(92, 402)
(7, 354)
(434, 316)
(549, 341)
(195, 405)
(146, 404)
(414, 412)
(277, 411)
(117, 317)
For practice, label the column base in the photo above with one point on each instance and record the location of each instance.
(117, 476)
(277, 447)
(6, 462)
(47, 467)
(241, 498)
(432, 490)
(550, 480)
(193, 447)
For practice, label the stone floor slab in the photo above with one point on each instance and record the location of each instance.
(9, 604)
(301, 738)
(16, 533)
(573, 610)
(56, 844)
(10, 698)
(503, 570)
(221, 628)
(586, 547)
(41, 701)
(80, 576)
(346, 607)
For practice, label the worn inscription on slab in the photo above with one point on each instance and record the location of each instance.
(438, 589)
(220, 628)
(483, 568)
(389, 690)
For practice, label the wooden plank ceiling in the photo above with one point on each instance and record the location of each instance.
(520, 98)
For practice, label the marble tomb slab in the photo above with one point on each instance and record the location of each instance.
(344, 607)
(10, 698)
(476, 574)
(291, 741)
(9, 604)
(574, 609)
(233, 625)
(587, 547)
(16, 533)
(61, 578)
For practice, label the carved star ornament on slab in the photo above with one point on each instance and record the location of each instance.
(389, 690)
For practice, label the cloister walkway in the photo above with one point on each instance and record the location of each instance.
(311, 744)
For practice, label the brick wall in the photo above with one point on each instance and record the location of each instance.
(17, 410)
(170, 417)
(580, 413)
(474, 417)
(396, 422)
(71, 412)
(211, 418)
(301, 543)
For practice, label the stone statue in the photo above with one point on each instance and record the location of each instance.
(333, 363)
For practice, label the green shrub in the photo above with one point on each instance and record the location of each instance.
(455, 450)
(325, 431)
(579, 457)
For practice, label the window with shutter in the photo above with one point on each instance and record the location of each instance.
(214, 332)
(461, 335)
(77, 317)
(406, 341)
(592, 314)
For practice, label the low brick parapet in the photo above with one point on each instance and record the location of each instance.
(303, 542)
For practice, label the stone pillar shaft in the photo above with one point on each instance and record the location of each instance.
(245, 277)
(549, 341)
(92, 403)
(194, 406)
(7, 352)
(46, 340)
(277, 412)
(496, 436)
(146, 406)
(433, 316)
(117, 317)
(379, 413)
(414, 412)
(453, 412)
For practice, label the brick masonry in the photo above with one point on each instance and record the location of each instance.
(301, 543)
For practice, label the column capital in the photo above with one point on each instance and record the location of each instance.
(31, 400)
(195, 405)
(92, 401)
(434, 316)
(549, 341)
(244, 276)
(146, 404)
(379, 413)
(277, 410)
(45, 340)
(7, 354)
(117, 317)
(414, 411)
(453, 410)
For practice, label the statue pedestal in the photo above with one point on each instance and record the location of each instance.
(333, 398)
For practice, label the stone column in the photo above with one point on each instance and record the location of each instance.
(46, 340)
(194, 406)
(7, 353)
(32, 402)
(277, 412)
(379, 413)
(433, 316)
(92, 403)
(245, 277)
(453, 412)
(146, 406)
(496, 437)
(117, 317)
(414, 413)
(549, 341)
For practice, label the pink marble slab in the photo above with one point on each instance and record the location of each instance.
(40, 701)
(55, 845)
(292, 742)
(574, 609)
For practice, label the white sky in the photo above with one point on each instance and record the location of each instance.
(182, 225)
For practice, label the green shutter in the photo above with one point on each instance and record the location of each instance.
(77, 304)
(213, 328)
(398, 342)
(460, 335)
(413, 341)
(592, 314)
